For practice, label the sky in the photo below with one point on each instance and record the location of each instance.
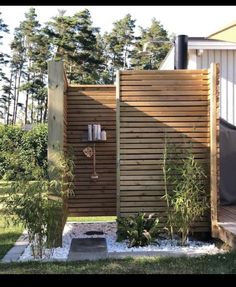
(194, 21)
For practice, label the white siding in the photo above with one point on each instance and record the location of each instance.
(227, 61)
(192, 58)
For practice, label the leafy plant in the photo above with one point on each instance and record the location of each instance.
(21, 151)
(140, 230)
(188, 200)
(166, 168)
(35, 204)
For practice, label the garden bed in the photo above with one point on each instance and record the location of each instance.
(160, 247)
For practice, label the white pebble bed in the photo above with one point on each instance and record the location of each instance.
(77, 230)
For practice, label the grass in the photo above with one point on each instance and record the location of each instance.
(208, 264)
(8, 236)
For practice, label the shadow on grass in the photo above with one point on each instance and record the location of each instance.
(208, 264)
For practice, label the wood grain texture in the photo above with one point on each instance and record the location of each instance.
(136, 113)
(88, 104)
(214, 146)
(153, 103)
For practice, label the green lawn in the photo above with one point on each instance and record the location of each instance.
(8, 236)
(214, 264)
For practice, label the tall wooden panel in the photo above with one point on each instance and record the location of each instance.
(153, 103)
(88, 104)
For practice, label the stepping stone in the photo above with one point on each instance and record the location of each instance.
(87, 249)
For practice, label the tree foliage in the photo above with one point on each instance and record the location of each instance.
(151, 47)
(89, 57)
(21, 150)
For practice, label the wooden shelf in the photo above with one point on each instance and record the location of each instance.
(97, 141)
(85, 139)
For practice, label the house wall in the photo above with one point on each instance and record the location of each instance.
(227, 61)
(88, 104)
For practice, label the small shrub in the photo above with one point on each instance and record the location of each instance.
(35, 143)
(190, 200)
(139, 230)
(187, 200)
(35, 204)
(166, 169)
(21, 150)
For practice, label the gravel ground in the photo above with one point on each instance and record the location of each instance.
(78, 230)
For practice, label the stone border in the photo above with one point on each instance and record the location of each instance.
(15, 252)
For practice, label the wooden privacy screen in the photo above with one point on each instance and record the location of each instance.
(150, 103)
(88, 104)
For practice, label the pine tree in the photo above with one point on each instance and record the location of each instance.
(74, 41)
(17, 63)
(30, 52)
(4, 59)
(119, 44)
(151, 47)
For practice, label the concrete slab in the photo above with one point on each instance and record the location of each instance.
(15, 252)
(87, 249)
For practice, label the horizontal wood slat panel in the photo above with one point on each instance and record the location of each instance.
(162, 93)
(87, 104)
(164, 72)
(166, 88)
(164, 77)
(153, 103)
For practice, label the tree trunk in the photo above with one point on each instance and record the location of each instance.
(32, 109)
(9, 99)
(18, 92)
(41, 112)
(45, 110)
(125, 56)
(26, 103)
(14, 103)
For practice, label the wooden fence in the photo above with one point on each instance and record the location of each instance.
(137, 113)
(150, 104)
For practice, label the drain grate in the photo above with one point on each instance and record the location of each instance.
(94, 232)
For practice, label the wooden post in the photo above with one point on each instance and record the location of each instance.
(55, 110)
(56, 137)
(118, 143)
(214, 145)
